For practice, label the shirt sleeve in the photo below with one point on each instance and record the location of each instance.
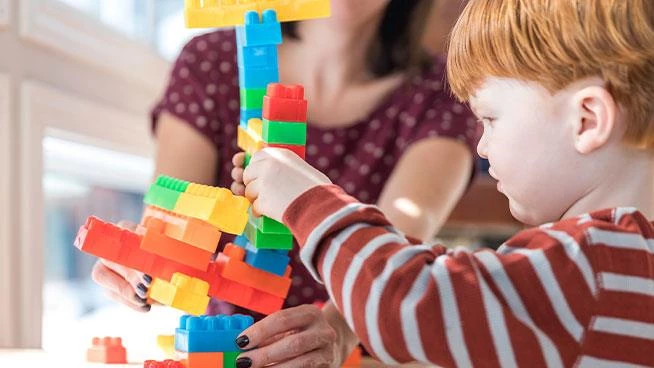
(526, 305)
(202, 85)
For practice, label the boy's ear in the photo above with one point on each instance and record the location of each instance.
(596, 119)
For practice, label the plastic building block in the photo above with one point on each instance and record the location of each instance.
(210, 333)
(204, 360)
(167, 344)
(241, 241)
(165, 191)
(247, 141)
(252, 98)
(253, 57)
(300, 150)
(168, 363)
(229, 13)
(257, 77)
(108, 350)
(185, 229)
(255, 127)
(244, 296)
(248, 158)
(268, 241)
(247, 114)
(156, 242)
(217, 206)
(273, 261)
(285, 103)
(354, 359)
(107, 241)
(237, 270)
(284, 132)
(259, 31)
(268, 225)
(183, 292)
(229, 359)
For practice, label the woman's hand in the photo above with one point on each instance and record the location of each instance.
(294, 337)
(274, 178)
(124, 285)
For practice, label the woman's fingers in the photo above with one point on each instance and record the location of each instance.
(133, 277)
(139, 307)
(298, 318)
(118, 287)
(129, 225)
(288, 348)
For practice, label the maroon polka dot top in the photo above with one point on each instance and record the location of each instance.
(203, 91)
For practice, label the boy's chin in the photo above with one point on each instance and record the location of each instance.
(524, 215)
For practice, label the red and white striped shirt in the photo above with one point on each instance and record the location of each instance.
(578, 292)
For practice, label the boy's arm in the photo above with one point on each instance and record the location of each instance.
(424, 303)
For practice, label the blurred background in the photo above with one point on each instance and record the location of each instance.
(77, 80)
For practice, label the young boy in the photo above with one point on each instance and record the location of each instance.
(564, 90)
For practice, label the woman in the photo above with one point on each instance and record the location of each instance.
(394, 123)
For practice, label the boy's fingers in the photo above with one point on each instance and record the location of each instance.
(237, 174)
(238, 159)
(238, 189)
(285, 320)
(252, 191)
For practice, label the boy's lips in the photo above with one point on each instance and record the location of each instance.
(494, 176)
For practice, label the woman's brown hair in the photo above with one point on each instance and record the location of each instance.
(398, 46)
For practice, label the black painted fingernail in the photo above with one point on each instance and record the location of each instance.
(141, 290)
(242, 341)
(146, 308)
(147, 279)
(243, 363)
(140, 299)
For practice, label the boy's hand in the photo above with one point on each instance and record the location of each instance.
(274, 178)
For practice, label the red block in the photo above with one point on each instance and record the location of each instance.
(168, 363)
(108, 350)
(297, 149)
(285, 103)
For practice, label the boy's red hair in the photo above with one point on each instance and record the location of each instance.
(556, 42)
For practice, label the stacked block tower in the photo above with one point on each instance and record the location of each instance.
(177, 239)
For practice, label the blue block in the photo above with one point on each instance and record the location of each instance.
(258, 57)
(273, 261)
(241, 241)
(247, 114)
(207, 334)
(256, 32)
(257, 77)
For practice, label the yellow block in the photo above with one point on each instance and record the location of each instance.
(217, 206)
(167, 344)
(255, 128)
(183, 292)
(247, 141)
(229, 13)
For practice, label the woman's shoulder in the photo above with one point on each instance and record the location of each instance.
(210, 53)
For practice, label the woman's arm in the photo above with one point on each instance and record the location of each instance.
(183, 152)
(416, 199)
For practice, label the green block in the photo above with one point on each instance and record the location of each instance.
(164, 192)
(281, 132)
(267, 225)
(248, 157)
(267, 241)
(229, 359)
(252, 98)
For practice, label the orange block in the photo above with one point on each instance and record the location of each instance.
(354, 360)
(156, 242)
(185, 229)
(108, 350)
(203, 360)
(238, 294)
(241, 272)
